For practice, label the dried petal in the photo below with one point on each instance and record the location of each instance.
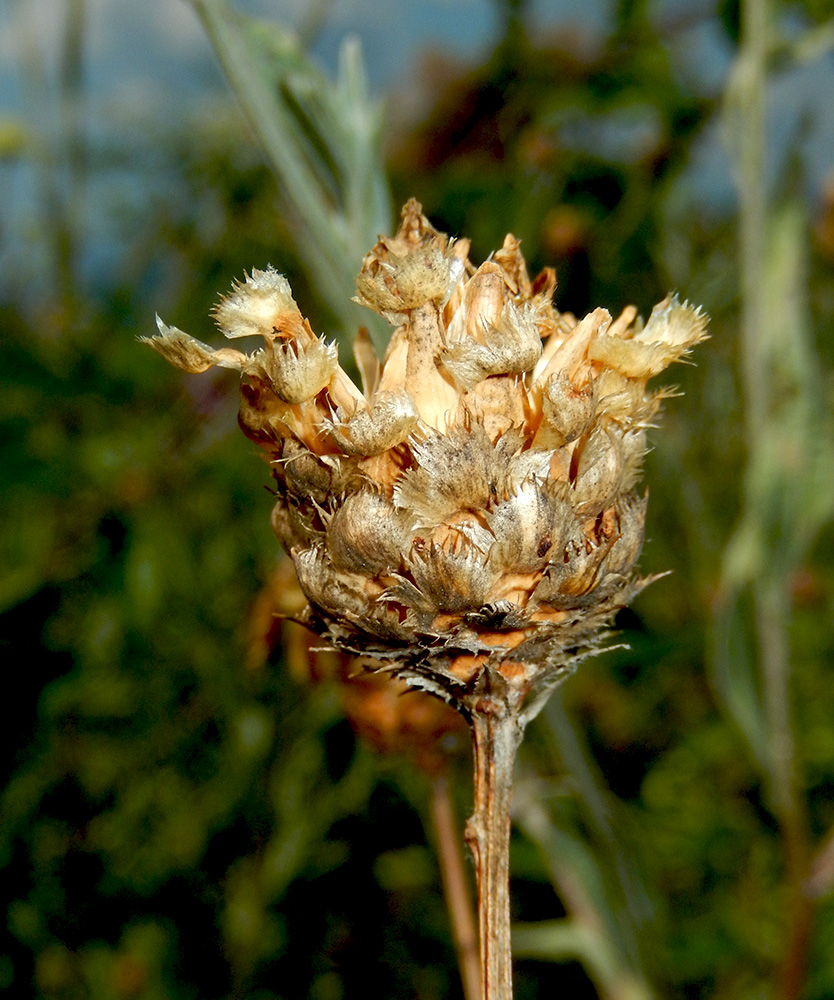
(188, 354)
(499, 404)
(574, 575)
(571, 354)
(630, 512)
(261, 305)
(679, 326)
(673, 329)
(512, 345)
(605, 465)
(511, 262)
(367, 362)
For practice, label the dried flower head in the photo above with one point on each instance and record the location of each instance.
(471, 516)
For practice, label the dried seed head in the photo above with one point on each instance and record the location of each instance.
(471, 511)
(297, 371)
(393, 285)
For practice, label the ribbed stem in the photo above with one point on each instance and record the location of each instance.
(496, 735)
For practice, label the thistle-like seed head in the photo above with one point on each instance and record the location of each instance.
(472, 511)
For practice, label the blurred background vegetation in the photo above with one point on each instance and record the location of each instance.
(184, 814)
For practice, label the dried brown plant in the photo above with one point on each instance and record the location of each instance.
(469, 520)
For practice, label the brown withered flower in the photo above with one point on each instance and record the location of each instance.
(474, 508)
(470, 519)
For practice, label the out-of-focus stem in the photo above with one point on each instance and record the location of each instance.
(495, 737)
(772, 601)
(820, 882)
(456, 888)
(772, 615)
(753, 210)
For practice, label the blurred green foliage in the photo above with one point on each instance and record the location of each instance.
(178, 824)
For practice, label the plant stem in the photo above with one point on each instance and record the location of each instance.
(496, 734)
(753, 211)
(455, 887)
(772, 616)
(772, 600)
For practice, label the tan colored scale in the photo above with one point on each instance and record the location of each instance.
(474, 506)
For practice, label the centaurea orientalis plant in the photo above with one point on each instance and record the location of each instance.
(469, 520)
